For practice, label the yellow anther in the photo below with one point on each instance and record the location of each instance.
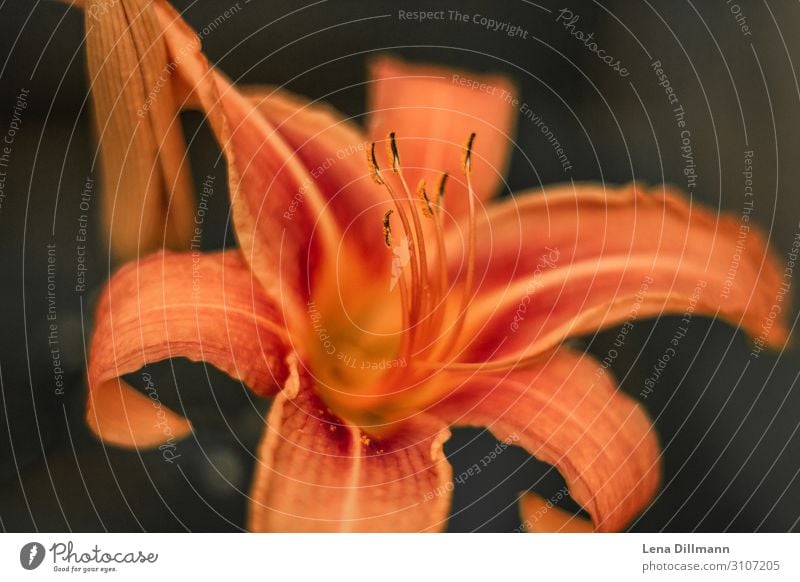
(387, 228)
(467, 161)
(391, 151)
(440, 190)
(374, 170)
(427, 209)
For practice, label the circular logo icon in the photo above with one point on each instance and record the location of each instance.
(31, 555)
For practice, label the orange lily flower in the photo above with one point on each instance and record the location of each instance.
(380, 302)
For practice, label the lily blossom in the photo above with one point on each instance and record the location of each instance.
(381, 295)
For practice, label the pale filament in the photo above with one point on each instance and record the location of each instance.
(466, 298)
(424, 292)
(378, 178)
(424, 303)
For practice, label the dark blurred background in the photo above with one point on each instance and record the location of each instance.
(728, 423)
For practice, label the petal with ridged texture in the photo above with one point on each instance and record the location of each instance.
(566, 413)
(318, 473)
(146, 192)
(288, 208)
(204, 307)
(568, 260)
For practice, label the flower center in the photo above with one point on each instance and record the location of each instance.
(379, 351)
(430, 329)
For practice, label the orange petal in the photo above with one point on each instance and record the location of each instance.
(281, 212)
(566, 262)
(317, 473)
(335, 150)
(122, 416)
(540, 515)
(205, 307)
(598, 438)
(147, 190)
(433, 110)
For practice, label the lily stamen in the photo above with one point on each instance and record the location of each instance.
(438, 312)
(401, 282)
(392, 153)
(439, 284)
(427, 209)
(414, 299)
(427, 298)
(440, 230)
(458, 326)
(440, 191)
(421, 291)
(387, 228)
(374, 169)
(466, 162)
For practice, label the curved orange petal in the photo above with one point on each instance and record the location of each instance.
(540, 515)
(433, 110)
(335, 151)
(561, 412)
(204, 307)
(570, 260)
(147, 192)
(284, 213)
(317, 473)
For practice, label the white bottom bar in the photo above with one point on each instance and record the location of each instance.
(398, 557)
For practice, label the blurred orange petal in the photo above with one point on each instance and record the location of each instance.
(317, 473)
(562, 412)
(121, 415)
(434, 110)
(540, 515)
(283, 213)
(599, 256)
(147, 190)
(204, 307)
